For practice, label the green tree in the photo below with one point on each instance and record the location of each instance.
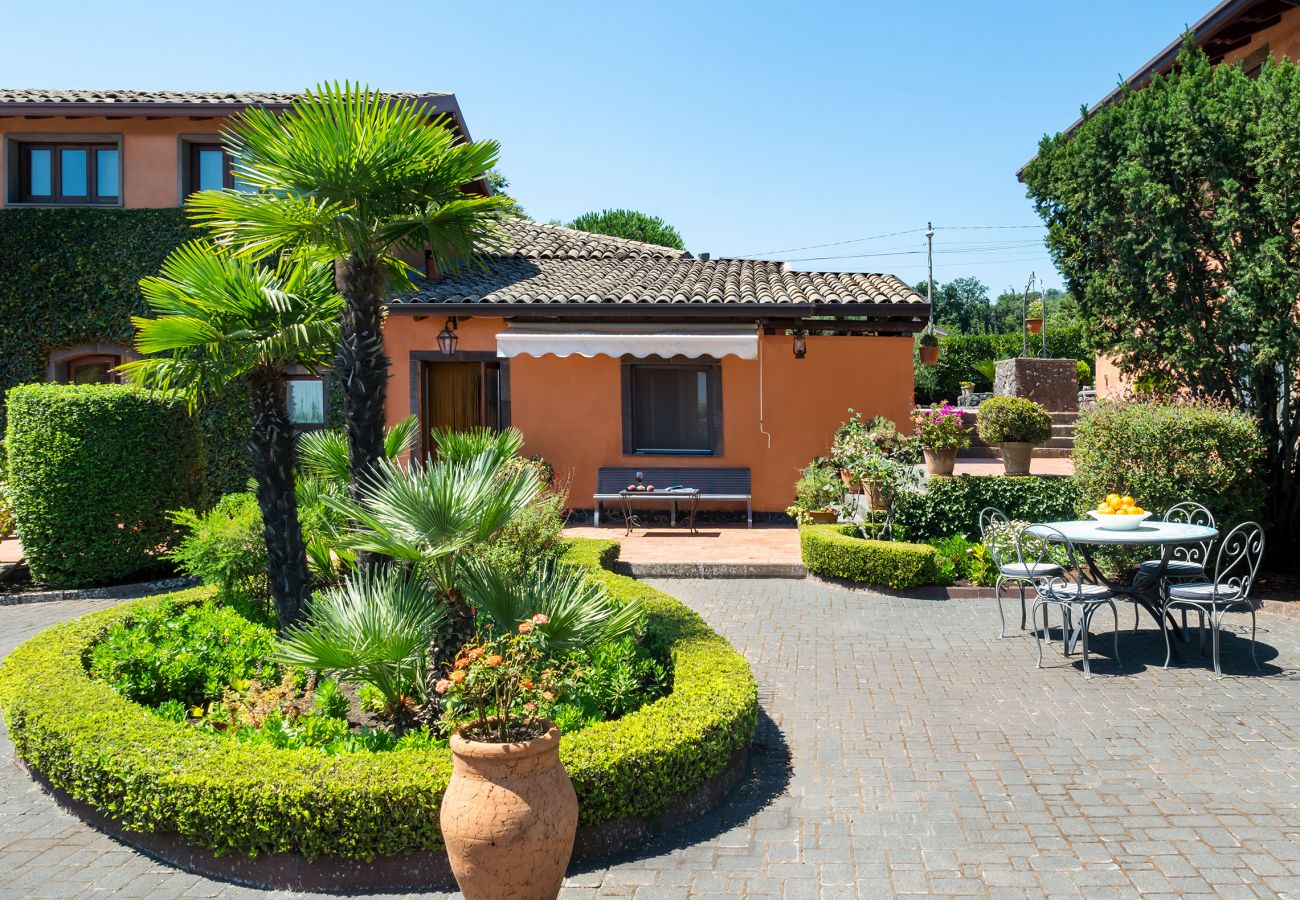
(961, 305)
(220, 319)
(1172, 215)
(355, 177)
(630, 224)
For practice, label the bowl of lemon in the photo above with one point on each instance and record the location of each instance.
(1117, 513)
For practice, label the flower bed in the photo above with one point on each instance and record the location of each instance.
(156, 776)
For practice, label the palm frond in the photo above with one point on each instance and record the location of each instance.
(462, 446)
(580, 612)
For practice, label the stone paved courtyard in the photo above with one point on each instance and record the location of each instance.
(904, 750)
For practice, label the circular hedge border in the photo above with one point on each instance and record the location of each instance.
(147, 775)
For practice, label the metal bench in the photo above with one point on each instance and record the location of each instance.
(713, 483)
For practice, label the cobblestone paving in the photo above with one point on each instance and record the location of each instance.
(904, 750)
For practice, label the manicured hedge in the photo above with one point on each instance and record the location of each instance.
(155, 775)
(835, 551)
(952, 505)
(94, 469)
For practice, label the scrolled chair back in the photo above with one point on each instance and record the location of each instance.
(1191, 513)
(1044, 547)
(991, 519)
(1237, 562)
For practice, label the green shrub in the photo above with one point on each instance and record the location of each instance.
(1011, 419)
(1084, 373)
(952, 505)
(957, 559)
(185, 653)
(835, 551)
(225, 548)
(1163, 453)
(152, 774)
(94, 471)
(533, 537)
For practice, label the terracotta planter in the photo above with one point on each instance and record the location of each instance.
(875, 496)
(851, 482)
(929, 355)
(509, 817)
(1034, 325)
(823, 516)
(940, 462)
(1016, 456)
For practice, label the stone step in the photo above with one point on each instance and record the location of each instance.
(1065, 418)
(1063, 431)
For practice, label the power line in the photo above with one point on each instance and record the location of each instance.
(983, 227)
(945, 252)
(874, 237)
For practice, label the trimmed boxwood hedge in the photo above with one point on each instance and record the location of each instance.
(951, 506)
(836, 551)
(153, 775)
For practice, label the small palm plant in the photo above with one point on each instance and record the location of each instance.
(353, 176)
(220, 319)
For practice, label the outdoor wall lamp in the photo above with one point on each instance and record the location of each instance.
(447, 339)
(800, 345)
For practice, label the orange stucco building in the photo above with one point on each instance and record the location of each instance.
(603, 352)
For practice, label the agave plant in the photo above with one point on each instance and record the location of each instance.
(375, 629)
(578, 611)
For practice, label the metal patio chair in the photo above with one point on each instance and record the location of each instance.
(1235, 568)
(1077, 599)
(1010, 571)
(1188, 561)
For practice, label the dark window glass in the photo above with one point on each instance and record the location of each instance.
(40, 182)
(305, 398)
(93, 370)
(672, 409)
(74, 173)
(106, 173)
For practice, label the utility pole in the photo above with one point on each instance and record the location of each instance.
(929, 261)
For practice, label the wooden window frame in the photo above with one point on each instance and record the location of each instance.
(23, 149)
(713, 368)
(75, 362)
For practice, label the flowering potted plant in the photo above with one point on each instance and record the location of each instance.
(1034, 317)
(929, 349)
(858, 446)
(817, 494)
(1015, 425)
(510, 813)
(941, 434)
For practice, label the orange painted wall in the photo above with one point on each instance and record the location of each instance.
(570, 408)
(150, 150)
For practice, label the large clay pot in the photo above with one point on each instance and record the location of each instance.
(509, 817)
(875, 494)
(1034, 326)
(940, 462)
(851, 482)
(929, 355)
(823, 516)
(1016, 456)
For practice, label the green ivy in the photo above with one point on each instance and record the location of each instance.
(952, 505)
(151, 774)
(94, 469)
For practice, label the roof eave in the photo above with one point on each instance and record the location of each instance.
(439, 104)
(919, 312)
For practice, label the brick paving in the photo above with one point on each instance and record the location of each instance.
(904, 749)
(736, 544)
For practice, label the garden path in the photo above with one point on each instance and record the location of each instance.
(904, 749)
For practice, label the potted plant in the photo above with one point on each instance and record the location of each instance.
(940, 432)
(967, 387)
(1034, 317)
(817, 494)
(1015, 425)
(929, 349)
(510, 813)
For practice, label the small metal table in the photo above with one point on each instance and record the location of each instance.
(674, 496)
(1145, 590)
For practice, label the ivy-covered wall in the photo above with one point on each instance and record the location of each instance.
(71, 276)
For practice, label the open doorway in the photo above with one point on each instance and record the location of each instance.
(459, 395)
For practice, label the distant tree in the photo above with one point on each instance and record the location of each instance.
(1172, 215)
(1005, 314)
(961, 305)
(500, 184)
(630, 224)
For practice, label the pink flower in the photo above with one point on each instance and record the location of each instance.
(541, 619)
(442, 687)
(525, 627)
(530, 706)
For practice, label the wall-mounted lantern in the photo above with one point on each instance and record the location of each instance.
(447, 339)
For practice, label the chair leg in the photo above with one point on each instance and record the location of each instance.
(1216, 623)
(1038, 635)
(1164, 628)
(1137, 617)
(1022, 606)
(1085, 619)
(1114, 611)
(1253, 658)
(1002, 621)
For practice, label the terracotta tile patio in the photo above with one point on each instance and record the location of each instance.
(714, 544)
(1061, 465)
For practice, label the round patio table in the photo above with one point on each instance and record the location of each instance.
(1145, 591)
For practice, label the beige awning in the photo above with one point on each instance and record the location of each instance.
(639, 340)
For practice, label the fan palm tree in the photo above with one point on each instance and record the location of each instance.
(220, 319)
(353, 176)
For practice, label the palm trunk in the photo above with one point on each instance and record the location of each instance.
(362, 366)
(273, 449)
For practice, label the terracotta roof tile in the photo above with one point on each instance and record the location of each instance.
(43, 96)
(545, 264)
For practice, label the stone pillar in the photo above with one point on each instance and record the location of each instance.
(1053, 383)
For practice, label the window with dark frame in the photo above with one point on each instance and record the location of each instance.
(68, 173)
(307, 401)
(209, 168)
(672, 408)
(95, 368)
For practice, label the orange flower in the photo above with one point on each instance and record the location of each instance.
(528, 683)
(494, 660)
(476, 653)
(530, 706)
(548, 696)
(458, 676)
(541, 619)
(525, 627)
(462, 662)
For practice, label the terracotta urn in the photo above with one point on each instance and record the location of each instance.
(929, 355)
(823, 516)
(851, 481)
(1016, 456)
(940, 462)
(509, 817)
(1034, 326)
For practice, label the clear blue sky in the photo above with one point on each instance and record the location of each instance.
(751, 126)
